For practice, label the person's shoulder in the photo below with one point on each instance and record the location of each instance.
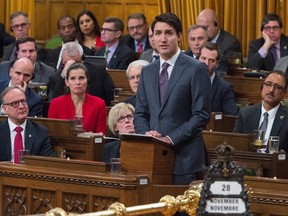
(46, 67)
(126, 38)
(228, 35)
(123, 47)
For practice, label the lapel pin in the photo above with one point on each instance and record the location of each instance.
(284, 47)
(281, 117)
(29, 135)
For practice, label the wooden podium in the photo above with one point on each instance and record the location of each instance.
(147, 155)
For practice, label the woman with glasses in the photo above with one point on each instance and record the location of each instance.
(120, 120)
(89, 30)
(79, 103)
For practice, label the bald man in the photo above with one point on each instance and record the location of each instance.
(21, 73)
(227, 42)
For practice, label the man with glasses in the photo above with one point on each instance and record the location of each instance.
(118, 55)
(20, 25)
(265, 51)
(21, 73)
(137, 39)
(18, 132)
(250, 118)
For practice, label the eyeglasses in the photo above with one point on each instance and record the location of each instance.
(107, 30)
(274, 85)
(138, 27)
(134, 77)
(22, 25)
(15, 104)
(274, 28)
(122, 119)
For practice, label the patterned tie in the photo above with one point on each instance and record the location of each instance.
(274, 53)
(140, 47)
(18, 144)
(264, 123)
(107, 51)
(163, 80)
(155, 57)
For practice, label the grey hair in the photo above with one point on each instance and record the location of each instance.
(73, 48)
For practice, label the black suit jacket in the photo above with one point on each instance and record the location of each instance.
(5, 39)
(131, 100)
(130, 42)
(36, 140)
(121, 58)
(248, 121)
(100, 83)
(53, 55)
(228, 43)
(256, 61)
(223, 99)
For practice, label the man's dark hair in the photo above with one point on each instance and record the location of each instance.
(280, 73)
(16, 14)
(137, 16)
(6, 90)
(271, 17)
(24, 40)
(169, 18)
(211, 46)
(66, 17)
(119, 25)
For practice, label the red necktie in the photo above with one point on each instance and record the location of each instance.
(18, 144)
(140, 47)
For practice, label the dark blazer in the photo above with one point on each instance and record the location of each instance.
(223, 99)
(130, 42)
(100, 83)
(111, 150)
(121, 58)
(228, 43)
(42, 71)
(184, 113)
(256, 61)
(53, 55)
(147, 55)
(11, 51)
(5, 39)
(131, 100)
(36, 140)
(34, 101)
(248, 121)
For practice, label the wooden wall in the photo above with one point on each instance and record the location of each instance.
(47, 12)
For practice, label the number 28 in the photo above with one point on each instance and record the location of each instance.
(225, 187)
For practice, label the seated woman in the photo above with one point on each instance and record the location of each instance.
(120, 120)
(79, 103)
(89, 33)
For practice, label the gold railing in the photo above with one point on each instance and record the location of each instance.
(168, 205)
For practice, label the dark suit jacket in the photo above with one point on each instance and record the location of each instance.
(36, 140)
(8, 51)
(184, 113)
(256, 61)
(34, 101)
(53, 55)
(42, 71)
(121, 58)
(5, 39)
(111, 150)
(228, 43)
(99, 83)
(131, 100)
(248, 121)
(147, 55)
(223, 99)
(129, 41)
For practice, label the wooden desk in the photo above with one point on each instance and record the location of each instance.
(120, 79)
(220, 122)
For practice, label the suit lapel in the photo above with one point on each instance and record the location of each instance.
(29, 136)
(280, 118)
(255, 117)
(6, 139)
(214, 86)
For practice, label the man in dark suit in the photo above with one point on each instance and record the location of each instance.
(228, 43)
(137, 39)
(118, 55)
(265, 51)
(21, 73)
(222, 96)
(67, 29)
(100, 84)
(174, 104)
(26, 47)
(35, 137)
(20, 25)
(5, 39)
(133, 73)
(250, 118)
(152, 54)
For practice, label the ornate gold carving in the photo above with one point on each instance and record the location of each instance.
(170, 203)
(118, 208)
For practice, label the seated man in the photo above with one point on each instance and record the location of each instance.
(133, 74)
(99, 82)
(118, 55)
(26, 47)
(34, 137)
(137, 39)
(265, 51)
(222, 96)
(152, 54)
(5, 39)
(21, 73)
(271, 111)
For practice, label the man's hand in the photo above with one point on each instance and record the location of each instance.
(165, 139)
(22, 86)
(153, 133)
(67, 64)
(268, 42)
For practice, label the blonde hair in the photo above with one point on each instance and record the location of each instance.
(115, 114)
